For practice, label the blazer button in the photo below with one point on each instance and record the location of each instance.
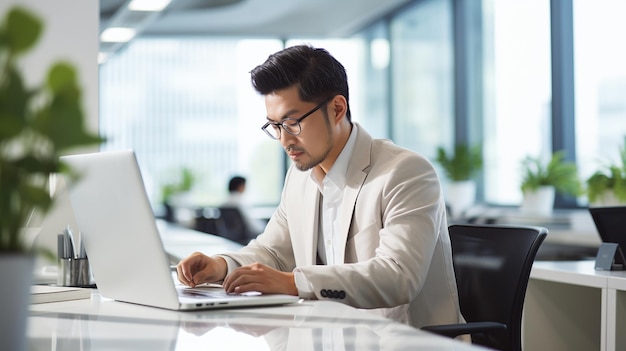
(342, 294)
(324, 293)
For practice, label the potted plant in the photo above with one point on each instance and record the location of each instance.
(37, 125)
(460, 168)
(607, 187)
(542, 181)
(170, 191)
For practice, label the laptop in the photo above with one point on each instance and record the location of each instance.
(121, 239)
(611, 225)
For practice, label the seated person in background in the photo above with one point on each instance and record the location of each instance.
(361, 221)
(236, 190)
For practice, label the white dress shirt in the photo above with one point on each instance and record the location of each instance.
(331, 186)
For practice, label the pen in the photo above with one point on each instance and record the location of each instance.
(81, 247)
(69, 236)
(61, 253)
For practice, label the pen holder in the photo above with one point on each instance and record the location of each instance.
(74, 272)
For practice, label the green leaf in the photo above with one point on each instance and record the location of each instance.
(10, 126)
(36, 195)
(62, 78)
(31, 164)
(62, 120)
(22, 29)
(13, 99)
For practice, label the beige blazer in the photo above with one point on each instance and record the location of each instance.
(397, 249)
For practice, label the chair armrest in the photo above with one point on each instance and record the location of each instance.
(454, 330)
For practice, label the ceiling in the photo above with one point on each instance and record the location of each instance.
(277, 18)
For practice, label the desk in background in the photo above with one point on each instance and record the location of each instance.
(571, 306)
(180, 242)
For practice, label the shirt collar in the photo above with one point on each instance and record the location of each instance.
(338, 171)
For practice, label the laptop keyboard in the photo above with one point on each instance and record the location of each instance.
(211, 293)
(203, 293)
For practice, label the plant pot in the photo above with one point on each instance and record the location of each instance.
(16, 276)
(460, 196)
(539, 202)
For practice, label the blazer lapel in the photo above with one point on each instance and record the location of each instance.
(309, 229)
(357, 172)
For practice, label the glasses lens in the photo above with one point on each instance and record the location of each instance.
(272, 130)
(292, 126)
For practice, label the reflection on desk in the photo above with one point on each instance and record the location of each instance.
(103, 324)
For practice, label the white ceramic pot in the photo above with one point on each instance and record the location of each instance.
(460, 196)
(16, 276)
(539, 202)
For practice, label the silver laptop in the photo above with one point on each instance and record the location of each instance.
(123, 244)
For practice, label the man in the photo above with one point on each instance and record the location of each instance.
(360, 221)
(236, 191)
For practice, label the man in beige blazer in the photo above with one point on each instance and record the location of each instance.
(361, 221)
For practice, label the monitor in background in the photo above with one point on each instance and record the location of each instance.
(611, 225)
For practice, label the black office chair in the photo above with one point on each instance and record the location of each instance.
(207, 220)
(234, 225)
(492, 265)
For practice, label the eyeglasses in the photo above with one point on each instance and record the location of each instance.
(290, 125)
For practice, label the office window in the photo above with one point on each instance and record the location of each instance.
(373, 112)
(517, 93)
(188, 102)
(422, 76)
(600, 82)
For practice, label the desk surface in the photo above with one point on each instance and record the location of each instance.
(577, 273)
(104, 324)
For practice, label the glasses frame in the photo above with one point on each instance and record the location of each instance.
(297, 121)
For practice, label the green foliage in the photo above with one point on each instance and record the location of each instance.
(612, 178)
(185, 183)
(37, 125)
(463, 164)
(560, 174)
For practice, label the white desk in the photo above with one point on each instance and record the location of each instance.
(571, 306)
(103, 324)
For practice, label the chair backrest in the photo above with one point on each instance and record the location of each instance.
(492, 265)
(234, 225)
(207, 220)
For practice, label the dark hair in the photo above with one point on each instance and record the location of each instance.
(235, 182)
(317, 74)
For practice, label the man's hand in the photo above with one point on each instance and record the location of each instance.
(259, 277)
(199, 268)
